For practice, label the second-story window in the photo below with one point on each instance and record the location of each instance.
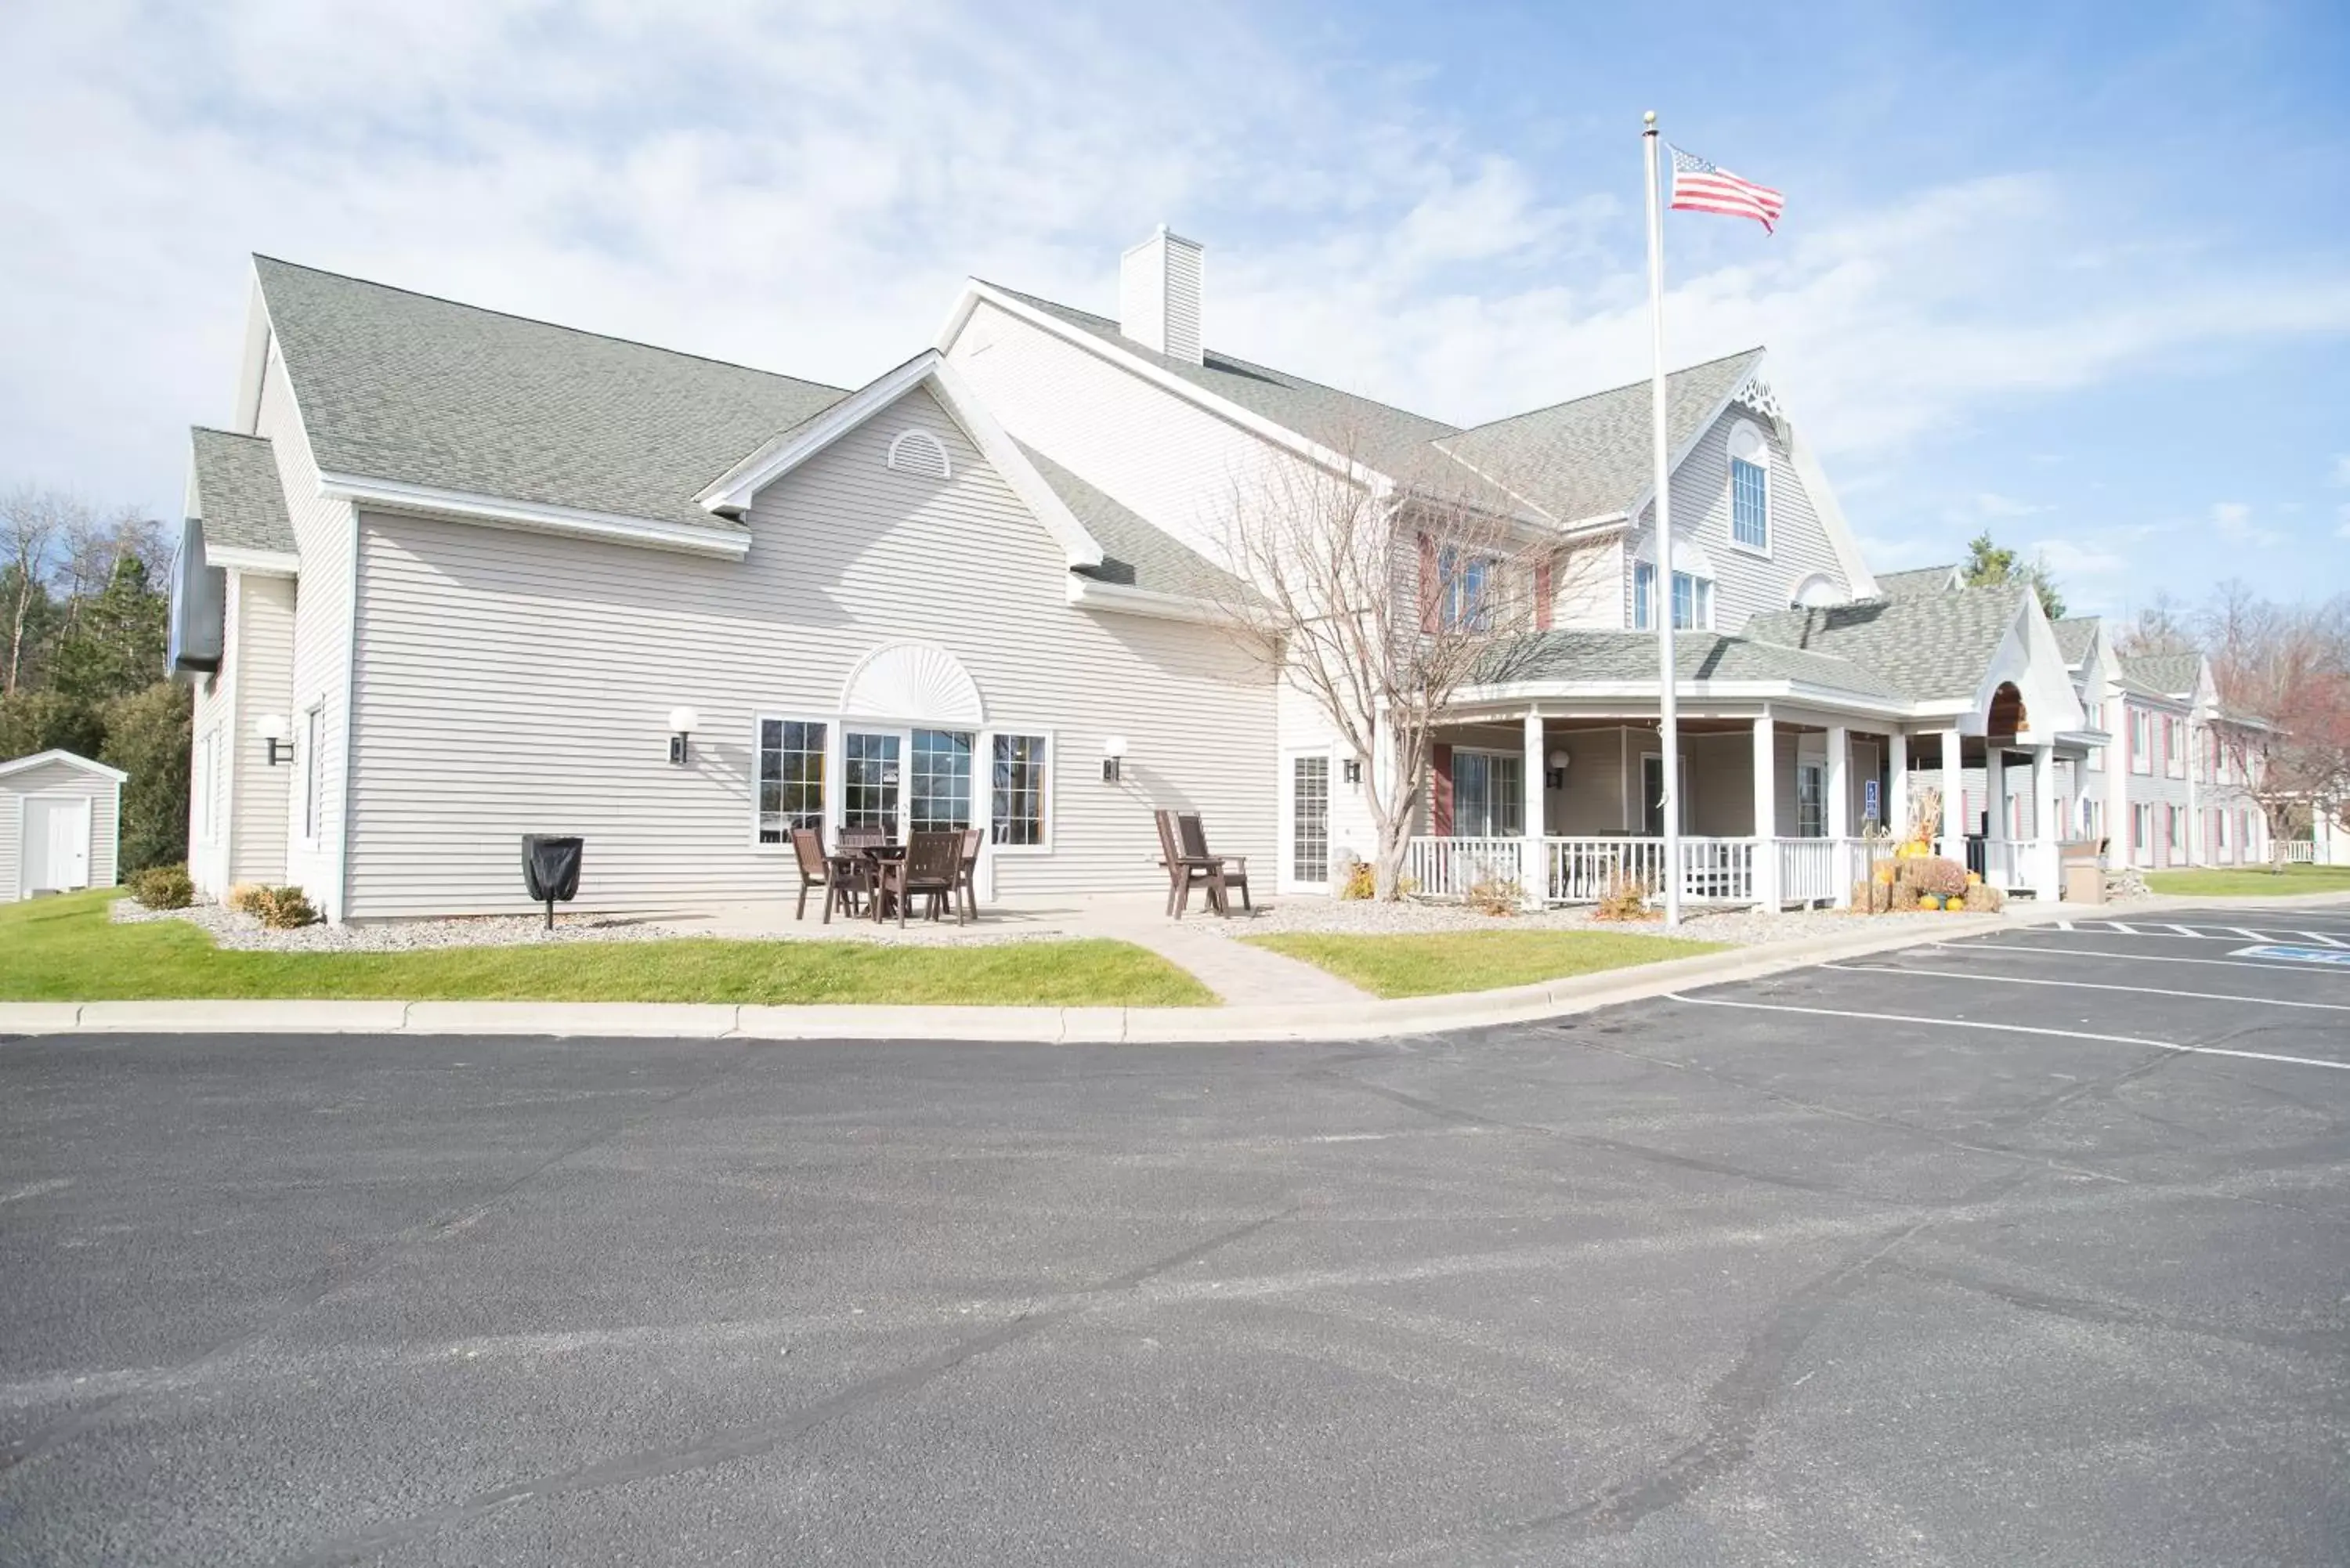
(1464, 589)
(1749, 487)
(2141, 742)
(1692, 599)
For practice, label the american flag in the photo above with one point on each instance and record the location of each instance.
(1700, 187)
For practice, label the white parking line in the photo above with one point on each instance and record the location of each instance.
(2011, 1029)
(2320, 937)
(2124, 957)
(2187, 931)
(2084, 985)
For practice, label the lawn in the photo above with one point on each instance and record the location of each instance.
(65, 950)
(2252, 882)
(1439, 963)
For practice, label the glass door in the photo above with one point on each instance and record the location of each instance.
(1811, 800)
(872, 778)
(1309, 820)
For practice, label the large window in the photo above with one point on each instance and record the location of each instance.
(1749, 488)
(1692, 599)
(1309, 820)
(941, 797)
(790, 777)
(870, 780)
(1488, 795)
(2141, 740)
(1016, 795)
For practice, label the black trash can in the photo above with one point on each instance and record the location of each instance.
(550, 868)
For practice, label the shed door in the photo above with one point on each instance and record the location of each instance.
(54, 854)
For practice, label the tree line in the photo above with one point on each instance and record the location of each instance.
(83, 608)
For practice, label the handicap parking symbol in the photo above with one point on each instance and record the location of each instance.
(2334, 957)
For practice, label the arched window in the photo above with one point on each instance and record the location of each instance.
(1749, 487)
(918, 451)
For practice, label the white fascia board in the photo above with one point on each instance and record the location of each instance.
(1647, 690)
(1223, 408)
(254, 562)
(645, 533)
(1090, 593)
(733, 491)
(72, 759)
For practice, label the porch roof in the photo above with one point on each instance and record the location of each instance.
(1135, 552)
(1933, 647)
(1621, 656)
(237, 495)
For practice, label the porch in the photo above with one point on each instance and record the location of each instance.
(1776, 807)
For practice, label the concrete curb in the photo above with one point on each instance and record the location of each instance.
(1072, 1025)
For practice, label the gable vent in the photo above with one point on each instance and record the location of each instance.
(918, 451)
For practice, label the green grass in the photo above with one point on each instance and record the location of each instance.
(1440, 963)
(2252, 882)
(65, 950)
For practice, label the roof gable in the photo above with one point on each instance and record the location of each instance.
(1932, 649)
(71, 759)
(1919, 582)
(424, 392)
(237, 494)
(2177, 676)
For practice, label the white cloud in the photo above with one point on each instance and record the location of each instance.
(2072, 561)
(2234, 520)
(2340, 477)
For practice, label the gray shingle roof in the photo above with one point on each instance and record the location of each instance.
(1937, 646)
(1697, 656)
(1591, 457)
(2075, 636)
(1373, 432)
(1923, 580)
(1135, 553)
(406, 387)
(238, 494)
(2173, 675)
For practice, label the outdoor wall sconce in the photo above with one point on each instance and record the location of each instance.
(1351, 770)
(1555, 774)
(1113, 754)
(273, 729)
(682, 723)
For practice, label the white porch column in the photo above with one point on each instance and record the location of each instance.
(1897, 810)
(1534, 869)
(2194, 815)
(1954, 799)
(1766, 812)
(1994, 791)
(1840, 809)
(2047, 869)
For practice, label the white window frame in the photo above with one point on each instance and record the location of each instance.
(2141, 849)
(1284, 880)
(759, 722)
(1045, 801)
(836, 774)
(2141, 740)
(1515, 800)
(1644, 599)
(2174, 755)
(1748, 435)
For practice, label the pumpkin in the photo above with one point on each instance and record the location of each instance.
(1956, 906)
(1974, 878)
(1928, 901)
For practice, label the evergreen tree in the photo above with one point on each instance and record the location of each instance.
(1988, 564)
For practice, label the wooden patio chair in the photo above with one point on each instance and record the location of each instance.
(1182, 875)
(837, 875)
(932, 866)
(1231, 870)
(967, 867)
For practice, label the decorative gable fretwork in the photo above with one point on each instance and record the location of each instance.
(1757, 394)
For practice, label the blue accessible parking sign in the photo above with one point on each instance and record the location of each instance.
(2336, 958)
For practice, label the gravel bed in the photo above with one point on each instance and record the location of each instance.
(1741, 927)
(242, 932)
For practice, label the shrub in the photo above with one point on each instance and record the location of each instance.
(1985, 900)
(1496, 895)
(1359, 879)
(163, 887)
(1626, 898)
(283, 908)
(244, 898)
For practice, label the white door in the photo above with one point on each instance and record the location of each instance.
(55, 853)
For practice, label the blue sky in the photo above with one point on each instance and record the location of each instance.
(2079, 274)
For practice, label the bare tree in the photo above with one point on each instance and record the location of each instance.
(1381, 597)
(2165, 625)
(2283, 675)
(33, 524)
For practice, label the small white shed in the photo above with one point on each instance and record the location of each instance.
(60, 817)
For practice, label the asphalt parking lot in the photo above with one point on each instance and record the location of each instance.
(2032, 1249)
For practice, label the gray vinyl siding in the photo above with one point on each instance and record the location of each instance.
(59, 778)
(261, 647)
(321, 644)
(511, 682)
(1745, 584)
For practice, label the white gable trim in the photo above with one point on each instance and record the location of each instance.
(494, 511)
(1256, 424)
(72, 759)
(732, 493)
(2028, 656)
(1093, 593)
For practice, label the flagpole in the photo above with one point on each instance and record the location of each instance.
(1661, 609)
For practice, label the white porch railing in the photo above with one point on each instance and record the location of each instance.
(1821, 870)
(2299, 852)
(2013, 865)
(1585, 870)
(1449, 867)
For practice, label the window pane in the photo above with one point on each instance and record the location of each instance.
(942, 800)
(1309, 835)
(1644, 595)
(1016, 806)
(1750, 519)
(790, 777)
(869, 781)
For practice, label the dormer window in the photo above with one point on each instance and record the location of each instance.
(1749, 487)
